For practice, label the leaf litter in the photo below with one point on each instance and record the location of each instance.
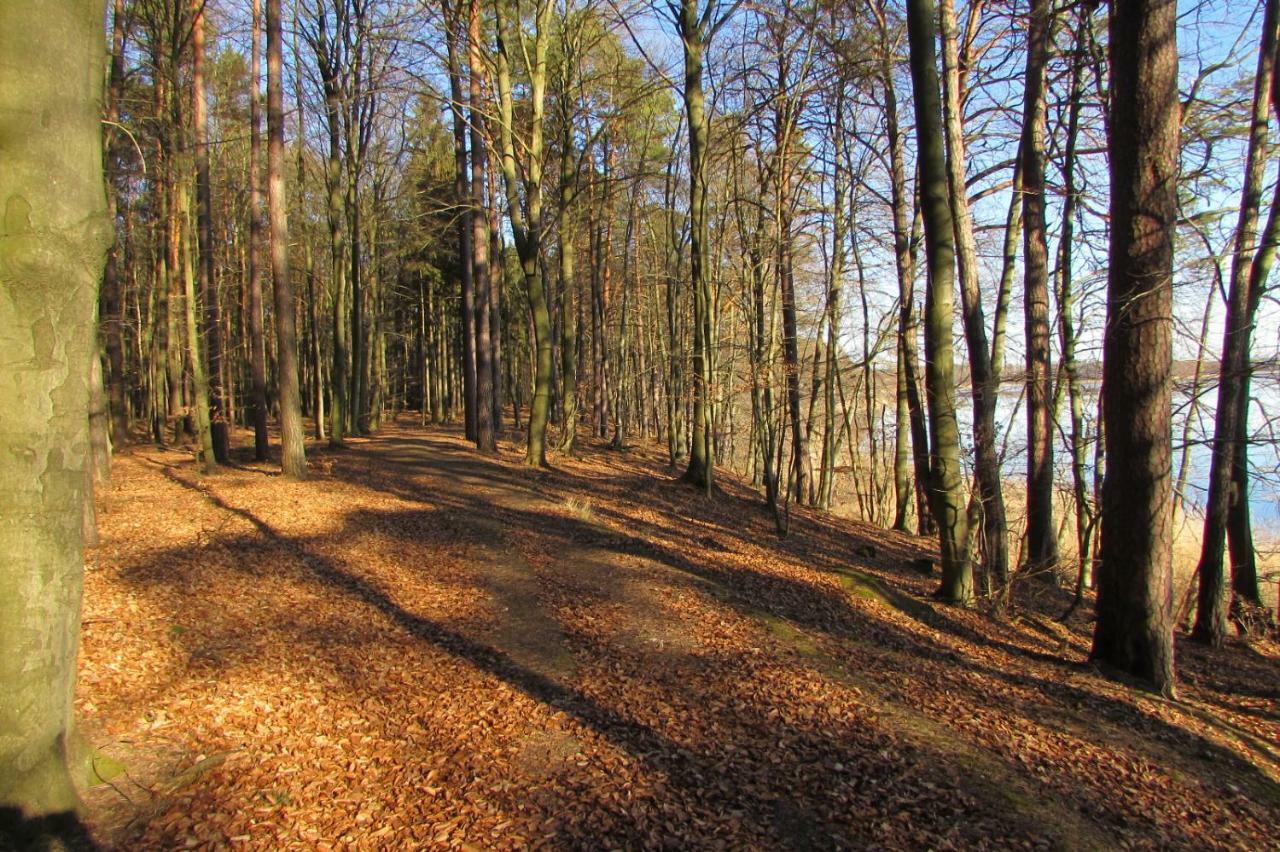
(422, 647)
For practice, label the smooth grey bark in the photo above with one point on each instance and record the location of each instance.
(983, 381)
(945, 483)
(54, 237)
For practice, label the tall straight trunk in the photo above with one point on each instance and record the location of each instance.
(466, 231)
(801, 467)
(486, 439)
(568, 283)
(1134, 630)
(111, 305)
(495, 290)
(201, 409)
(910, 409)
(826, 477)
(1231, 415)
(54, 239)
(212, 319)
(339, 410)
(945, 483)
(257, 340)
(1066, 311)
(526, 214)
(171, 122)
(293, 460)
(701, 469)
(1042, 534)
(995, 544)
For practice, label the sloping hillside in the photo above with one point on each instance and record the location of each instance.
(424, 648)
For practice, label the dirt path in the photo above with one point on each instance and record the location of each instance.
(423, 647)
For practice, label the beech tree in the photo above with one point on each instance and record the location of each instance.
(54, 238)
(945, 483)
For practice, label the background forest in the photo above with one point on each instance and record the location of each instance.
(700, 225)
(676, 424)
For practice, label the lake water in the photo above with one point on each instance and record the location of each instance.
(1264, 453)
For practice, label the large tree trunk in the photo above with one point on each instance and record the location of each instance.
(945, 483)
(1134, 631)
(293, 460)
(53, 242)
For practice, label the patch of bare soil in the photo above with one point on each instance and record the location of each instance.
(422, 647)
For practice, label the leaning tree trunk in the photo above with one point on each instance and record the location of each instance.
(53, 242)
(1134, 630)
(1231, 415)
(945, 482)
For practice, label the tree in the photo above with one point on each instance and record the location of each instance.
(1231, 413)
(293, 458)
(1042, 535)
(524, 209)
(945, 483)
(54, 238)
(696, 28)
(257, 340)
(1134, 630)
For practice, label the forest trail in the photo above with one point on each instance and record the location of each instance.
(424, 647)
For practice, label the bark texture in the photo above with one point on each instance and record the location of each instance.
(1134, 630)
(54, 236)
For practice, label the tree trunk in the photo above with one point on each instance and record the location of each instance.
(1134, 630)
(1228, 480)
(257, 340)
(910, 409)
(486, 439)
(53, 242)
(1042, 534)
(985, 390)
(212, 321)
(945, 484)
(701, 469)
(293, 460)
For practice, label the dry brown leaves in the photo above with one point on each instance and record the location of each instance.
(424, 648)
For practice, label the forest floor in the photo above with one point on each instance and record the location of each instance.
(422, 647)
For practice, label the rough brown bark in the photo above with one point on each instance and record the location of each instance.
(1134, 630)
(257, 340)
(293, 460)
